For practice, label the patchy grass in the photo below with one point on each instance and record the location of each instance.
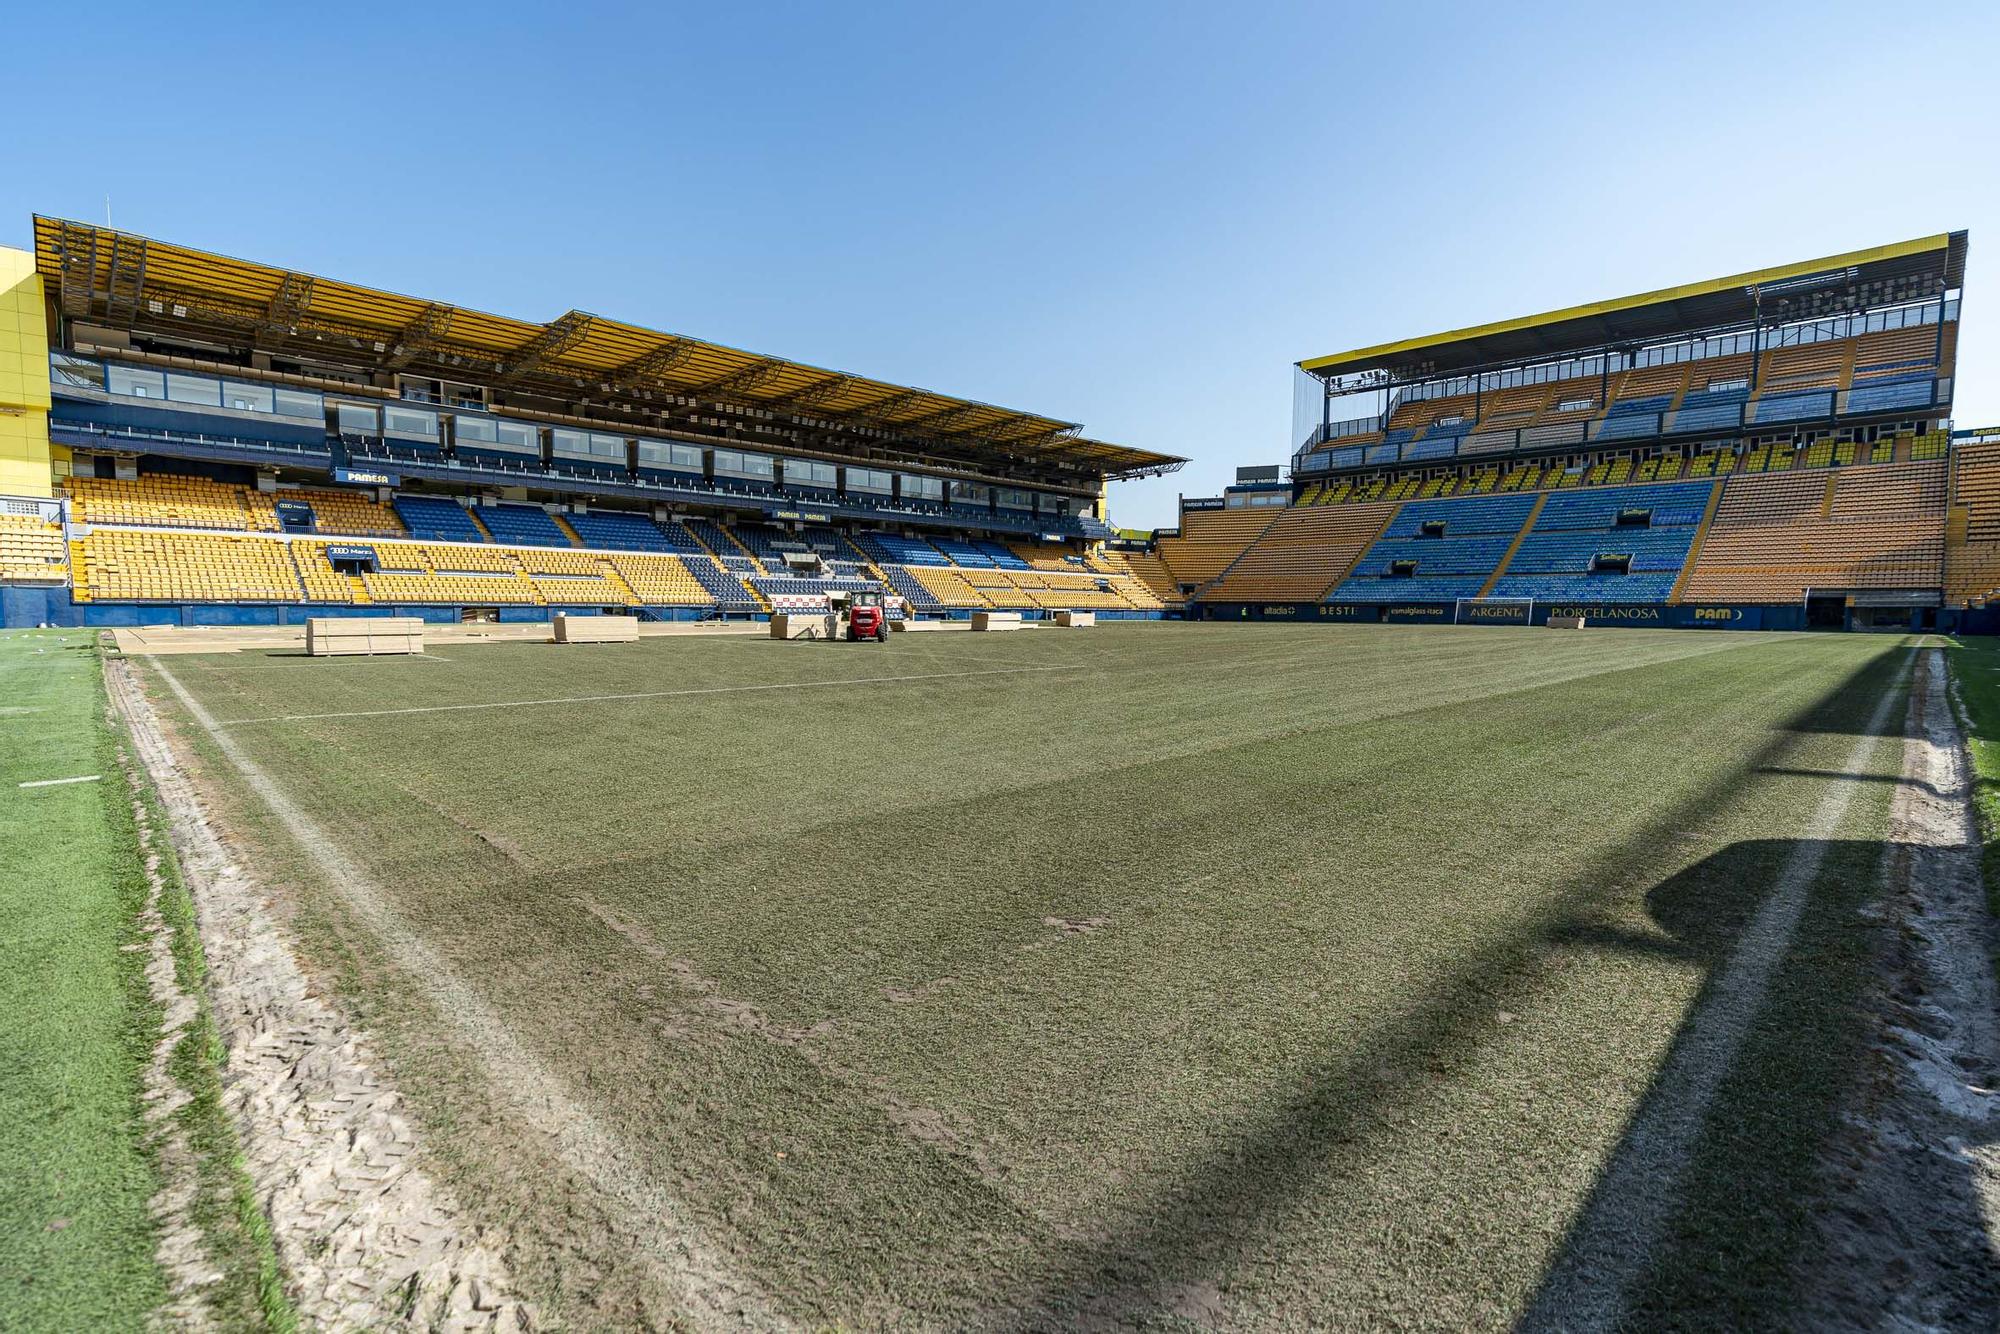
(1286, 975)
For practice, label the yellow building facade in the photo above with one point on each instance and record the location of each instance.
(24, 378)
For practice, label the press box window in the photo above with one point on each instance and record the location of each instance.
(137, 383)
(298, 403)
(354, 419)
(248, 397)
(409, 425)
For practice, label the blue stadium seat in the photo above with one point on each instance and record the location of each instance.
(617, 530)
(435, 519)
(522, 526)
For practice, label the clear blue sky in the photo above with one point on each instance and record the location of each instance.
(1136, 216)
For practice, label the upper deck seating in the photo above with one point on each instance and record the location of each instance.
(165, 500)
(620, 530)
(1000, 555)
(349, 512)
(437, 518)
(523, 525)
(962, 553)
(895, 549)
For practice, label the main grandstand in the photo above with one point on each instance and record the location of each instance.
(193, 439)
(1769, 450)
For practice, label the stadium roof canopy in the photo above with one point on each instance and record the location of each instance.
(126, 281)
(1860, 279)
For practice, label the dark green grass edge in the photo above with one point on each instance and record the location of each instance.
(1974, 665)
(1730, 1255)
(235, 1234)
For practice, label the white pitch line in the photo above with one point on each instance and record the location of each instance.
(644, 694)
(1613, 1241)
(59, 782)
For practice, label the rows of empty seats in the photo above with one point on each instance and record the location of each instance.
(167, 566)
(1972, 572)
(31, 549)
(1788, 381)
(1209, 540)
(1436, 550)
(437, 517)
(165, 501)
(1777, 536)
(1302, 555)
(1616, 544)
(115, 564)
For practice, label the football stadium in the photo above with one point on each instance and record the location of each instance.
(576, 849)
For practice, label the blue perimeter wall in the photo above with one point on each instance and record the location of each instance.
(1645, 615)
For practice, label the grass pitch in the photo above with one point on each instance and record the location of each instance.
(1158, 975)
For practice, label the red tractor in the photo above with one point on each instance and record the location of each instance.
(864, 614)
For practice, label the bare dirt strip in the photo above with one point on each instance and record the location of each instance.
(1908, 1240)
(365, 1237)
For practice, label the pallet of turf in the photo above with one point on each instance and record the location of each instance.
(996, 620)
(356, 636)
(596, 629)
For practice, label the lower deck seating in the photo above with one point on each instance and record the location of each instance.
(947, 588)
(1578, 550)
(1776, 537)
(125, 565)
(662, 580)
(1209, 540)
(1972, 564)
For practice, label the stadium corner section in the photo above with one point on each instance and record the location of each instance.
(123, 1198)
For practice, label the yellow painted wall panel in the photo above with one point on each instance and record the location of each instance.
(24, 378)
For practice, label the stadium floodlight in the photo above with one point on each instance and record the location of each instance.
(1493, 611)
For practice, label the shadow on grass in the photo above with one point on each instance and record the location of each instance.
(1198, 1225)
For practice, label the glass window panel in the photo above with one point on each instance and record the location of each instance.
(194, 389)
(137, 383)
(570, 444)
(410, 424)
(248, 397)
(479, 430)
(299, 403)
(358, 420)
(518, 436)
(77, 371)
